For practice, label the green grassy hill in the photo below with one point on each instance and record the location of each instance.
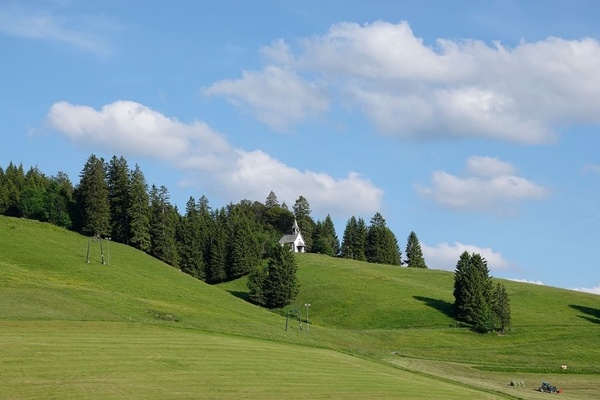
(137, 328)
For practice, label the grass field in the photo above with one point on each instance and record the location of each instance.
(137, 328)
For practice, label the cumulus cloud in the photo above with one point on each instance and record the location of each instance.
(451, 88)
(445, 256)
(278, 97)
(593, 290)
(489, 186)
(489, 167)
(131, 128)
(87, 33)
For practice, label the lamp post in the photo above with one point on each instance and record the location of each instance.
(307, 325)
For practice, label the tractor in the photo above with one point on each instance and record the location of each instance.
(547, 388)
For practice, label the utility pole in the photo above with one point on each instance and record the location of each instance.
(307, 325)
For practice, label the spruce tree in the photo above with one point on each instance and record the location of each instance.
(13, 183)
(359, 240)
(348, 249)
(501, 307)
(138, 211)
(460, 274)
(191, 254)
(163, 226)
(216, 267)
(414, 253)
(245, 250)
(93, 198)
(280, 284)
(355, 239)
(119, 189)
(271, 200)
(326, 241)
(382, 245)
(255, 283)
(477, 302)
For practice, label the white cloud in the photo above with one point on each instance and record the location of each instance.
(527, 281)
(130, 128)
(445, 256)
(593, 290)
(489, 167)
(414, 90)
(591, 168)
(82, 31)
(278, 97)
(494, 188)
(136, 129)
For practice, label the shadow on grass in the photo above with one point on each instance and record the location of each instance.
(241, 295)
(440, 305)
(593, 314)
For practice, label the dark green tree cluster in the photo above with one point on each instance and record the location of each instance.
(325, 239)
(355, 239)
(477, 301)
(276, 284)
(114, 201)
(34, 195)
(376, 243)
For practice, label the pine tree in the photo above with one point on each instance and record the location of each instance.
(163, 226)
(245, 250)
(460, 274)
(276, 285)
(92, 198)
(382, 245)
(501, 306)
(190, 247)
(475, 288)
(414, 253)
(216, 268)
(119, 188)
(326, 241)
(347, 250)
(255, 284)
(138, 211)
(13, 183)
(271, 200)
(359, 240)
(477, 302)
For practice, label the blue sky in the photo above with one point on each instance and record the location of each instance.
(474, 124)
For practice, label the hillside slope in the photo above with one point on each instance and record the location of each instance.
(137, 328)
(133, 325)
(408, 312)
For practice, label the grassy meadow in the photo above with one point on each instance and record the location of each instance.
(137, 328)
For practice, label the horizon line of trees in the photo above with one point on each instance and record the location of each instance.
(113, 200)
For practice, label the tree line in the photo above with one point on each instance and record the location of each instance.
(214, 245)
(114, 201)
